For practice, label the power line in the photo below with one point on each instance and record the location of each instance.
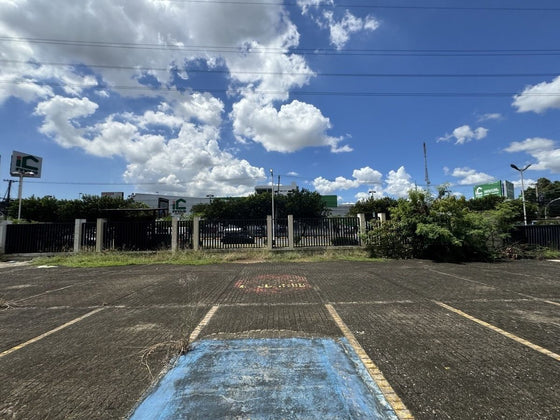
(301, 51)
(369, 6)
(271, 73)
(298, 92)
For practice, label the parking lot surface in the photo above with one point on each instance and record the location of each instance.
(452, 341)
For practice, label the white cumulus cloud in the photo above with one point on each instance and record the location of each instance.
(543, 151)
(538, 98)
(464, 134)
(468, 176)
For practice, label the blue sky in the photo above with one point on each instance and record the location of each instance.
(205, 97)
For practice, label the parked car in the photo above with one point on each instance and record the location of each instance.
(238, 237)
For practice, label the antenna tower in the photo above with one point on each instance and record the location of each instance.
(426, 168)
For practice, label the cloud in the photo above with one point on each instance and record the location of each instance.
(538, 98)
(489, 117)
(399, 183)
(362, 176)
(190, 162)
(465, 134)
(544, 151)
(294, 126)
(117, 49)
(341, 30)
(468, 176)
(340, 27)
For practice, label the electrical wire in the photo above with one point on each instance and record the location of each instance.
(271, 73)
(301, 51)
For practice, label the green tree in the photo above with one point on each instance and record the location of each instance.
(300, 204)
(373, 205)
(90, 207)
(440, 229)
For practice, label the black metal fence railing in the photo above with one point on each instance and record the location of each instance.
(239, 233)
(543, 235)
(39, 237)
(137, 235)
(185, 235)
(89, 236)
(335, 231)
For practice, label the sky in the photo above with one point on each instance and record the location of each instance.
(195, 97)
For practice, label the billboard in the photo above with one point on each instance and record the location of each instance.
(494, 188)
(508, 190)
(24, 164)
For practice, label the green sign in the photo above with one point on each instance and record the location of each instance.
(179, 206)
(24, 164)
(495, 188)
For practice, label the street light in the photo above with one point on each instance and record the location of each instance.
(522, 190)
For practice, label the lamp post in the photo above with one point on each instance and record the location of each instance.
(522, 190)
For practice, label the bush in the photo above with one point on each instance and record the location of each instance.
(388, 240)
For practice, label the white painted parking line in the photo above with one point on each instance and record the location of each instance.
(194, 335)
(500, 331)
(388, 392)
(40, 337)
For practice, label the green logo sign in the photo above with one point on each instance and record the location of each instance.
(24, 164)
(179, 206)
(483, 190)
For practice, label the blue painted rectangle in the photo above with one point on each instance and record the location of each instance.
(292, 378)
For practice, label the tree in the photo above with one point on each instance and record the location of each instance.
(372, 205)
(90, 207)
(442, 229)
(299, 203)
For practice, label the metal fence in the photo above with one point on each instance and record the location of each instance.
(137, 235)
(133, 235)
(39, 237)
(543, 235)
(238, 233)
(185, 234)
(321, 232)
(89, 236)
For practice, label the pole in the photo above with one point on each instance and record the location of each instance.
(523, 199)
(522, 190)
(20, 186)
(272, 193)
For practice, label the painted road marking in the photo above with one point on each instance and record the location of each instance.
(40, 337)
(194, 335)
(500, 331)
(267, 379)
(390, 395)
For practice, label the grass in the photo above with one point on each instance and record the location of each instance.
(114, 258)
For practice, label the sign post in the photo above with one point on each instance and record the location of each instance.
(24, 165)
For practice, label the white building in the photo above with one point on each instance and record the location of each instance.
(279, 189)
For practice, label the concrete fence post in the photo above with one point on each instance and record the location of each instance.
(78, 232)
(269, 232)
(196, 233)
(99, 231)
(174, 234)
(3, 233)
(290, 231)
(362, 223)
